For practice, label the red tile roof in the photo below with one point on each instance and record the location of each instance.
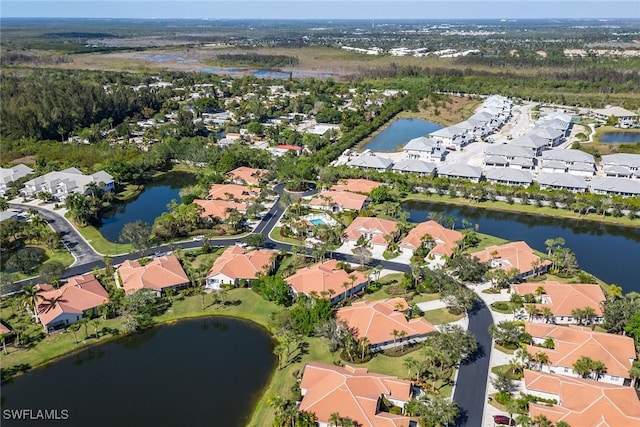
(233, 192)
(364, 186)
(79, 294)
(219, 208)
(563, 298)
(377, 320)
(158, 274)
(325, 276)
(584, 403)
(352, 392)
(343, 199)
(445, 238)
(247, 175)
(236, 263)
(371, 225)
(511, 255)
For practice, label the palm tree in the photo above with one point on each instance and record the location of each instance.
(364, 346)
(74, 328)
(4, 204)
(334, 419)
(3, 338)
(541, 358)
(32, 294)
(395, 334)
(546, 312)
(95, 323)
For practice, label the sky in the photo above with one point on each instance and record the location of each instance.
(323, 9)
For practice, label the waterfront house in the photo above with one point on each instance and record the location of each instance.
(562, 181)
(327, 280)
(71, 180)
(460, 171)
(625, 117)
(452, 137)
(218, 210)
(362, 186)
(575, 162)
(158, 275)
(615, 186)
(236, 264)
(416, 166)
(79, 297)
(338, 201)
(233, 192)
(368, 160)
(562, 299)
(514, 255)
(508, 176)
(582, 402)
(621, 165)
(372, 229)
(424, 148)
(443, 241)
(384, 323)
(507, 155)
(355, 393)
(617, 352)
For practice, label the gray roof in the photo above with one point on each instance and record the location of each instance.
(496, 160)
(13, 173)
(466, 125)
(448, 132)
(370, 161)
(421, 143)
(585, 167)
(481, 117)
(530, 141)
(413, 165)
(562, 180)
(554, 164)
(622, 159)
(508, 150)
(548, 133)
(522, 161)
(616, 185)
(102, 176)
(510, 175)
(567, 156)
(618, 170)
(558, 124)
(460, 170)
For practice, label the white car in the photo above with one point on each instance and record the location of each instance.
(199, 238)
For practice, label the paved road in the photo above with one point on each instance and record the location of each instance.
(472, 377)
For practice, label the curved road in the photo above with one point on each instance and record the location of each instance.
(472, 377)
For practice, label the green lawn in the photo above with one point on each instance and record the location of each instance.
(205, 261)
(486, 240)
(99, 243)
(60, 255)
(441, 315)
(275, 235)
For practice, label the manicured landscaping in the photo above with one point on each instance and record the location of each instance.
(275, 235)
(441, 315)
(100, 244)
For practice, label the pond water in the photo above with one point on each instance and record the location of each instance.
(399, 133)
(605, 251)
(620, 137)
(151, 203)
(199, 372)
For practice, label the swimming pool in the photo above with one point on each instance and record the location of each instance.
(317, 221)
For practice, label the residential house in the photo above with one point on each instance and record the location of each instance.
(552, 136)
(444, 240)
(558, 120)
(61, 184)
(625, 117)
(236, 264)
(372, 229)
(617, 352)
(338, 201)
(575, 162)
(327, 280)
(615, 186)
(508, 176)
(246, 176)
(562, 299)
(158, 275)
(12, 174)
(507, 155)
(514, 255)
(353, 392)
(218, 210)
(283, 149)
(452, 137)
(536, 144)
(362, 186)
(233, 192)
(384, 323)
(368, 160)
(460, 171)
(424, 148)
(621, 165)
(79, 297)
(582, 402)
(562, 181)
(416, 166)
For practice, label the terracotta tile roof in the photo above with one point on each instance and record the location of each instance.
(353, 393)
(233, 192)
(323, 277)
(236, 263)
(364, 186)
(79, 294)
(219, 208)
(562, 298)
(584, 403)
(158, 274)
(371, 225)
(445, 238)
(4, 329)
(295, 148)
(343, 199)
(571, 343)
(511, 255)
(376, 320)
(245, 174)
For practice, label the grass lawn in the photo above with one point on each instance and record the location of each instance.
(60, 255)
(424, 298)
(486, 240)
(129, 192)
(275, 235)
(524, 209)
(389, 278)
(441, 315)
(205, 261)
(100, 244)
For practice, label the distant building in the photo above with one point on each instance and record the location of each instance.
(508, 176)
(61, 184)
(625, 117)
(362, 186)
(12, 174)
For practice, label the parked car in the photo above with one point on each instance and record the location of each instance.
(199, 238)
(503, 420)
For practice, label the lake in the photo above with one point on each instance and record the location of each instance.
(606, 251)
(200, 372)
(620, 137)
(150, 203)
(400, 132)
